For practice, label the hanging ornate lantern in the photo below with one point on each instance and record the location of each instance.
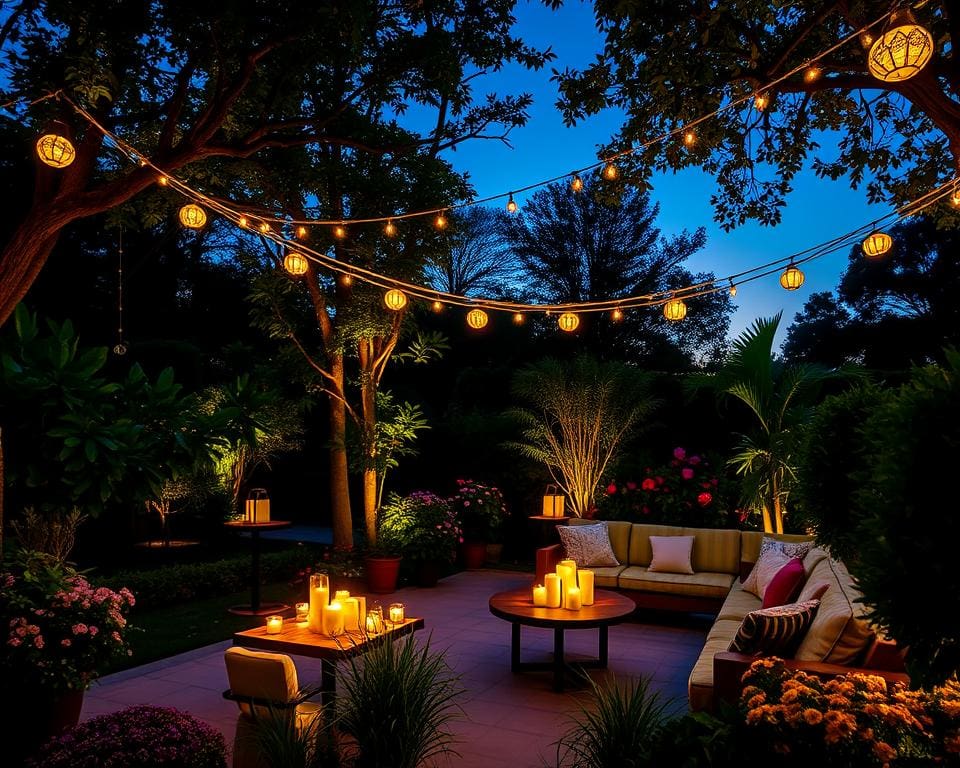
(55, 150)
(192, 216)
(395, 299)
(568, 321)
(477, 319)
(675, 310)
(792, 278)
(877, 245)
(295, 263)
(902, 51)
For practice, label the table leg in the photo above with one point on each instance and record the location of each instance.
(328, 682)
(559, 667)
(255, 570)
(604, 645)
(515, 647)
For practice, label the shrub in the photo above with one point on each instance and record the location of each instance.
(137, 737)
(423, 526)
(481, 510)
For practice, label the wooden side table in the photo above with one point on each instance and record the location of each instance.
(256, 607)
(545, 529)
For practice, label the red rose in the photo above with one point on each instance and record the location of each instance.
(694, 460)
(648, 484)
(611, 489)
(704, 499)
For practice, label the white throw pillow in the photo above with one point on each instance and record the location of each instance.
(771, 560)
(671, 554)
(588, 545)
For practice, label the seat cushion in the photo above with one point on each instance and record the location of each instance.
(607, 577)
(715, 585)
(269, 676)
(700, 683)
(738, 603)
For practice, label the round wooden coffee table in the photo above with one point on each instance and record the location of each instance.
(516, 606)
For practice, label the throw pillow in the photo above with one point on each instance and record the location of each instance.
(671, 554)
(588, 545)
(770, 561)
(775, 631)
(785, 585)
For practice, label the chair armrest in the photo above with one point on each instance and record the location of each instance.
(259, 702)
(547, 559)
(729, 668)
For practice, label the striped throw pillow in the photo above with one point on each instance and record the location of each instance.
(775, 631)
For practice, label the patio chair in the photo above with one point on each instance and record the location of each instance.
(264, 685)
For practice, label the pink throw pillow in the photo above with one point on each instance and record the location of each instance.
(671, 554)
(785, 585)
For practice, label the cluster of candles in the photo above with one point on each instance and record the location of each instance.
(343, 613)
(567, 588)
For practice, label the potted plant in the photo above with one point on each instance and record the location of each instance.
(59, 633)
(426, 529)
(482, 513)
(382, 562)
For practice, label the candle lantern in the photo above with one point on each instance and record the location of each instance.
(274, 625)
(258, 506)
(552, 502)
(396, 613)
(192, 216)
(374, 623)
(303, 612)
(55, 150)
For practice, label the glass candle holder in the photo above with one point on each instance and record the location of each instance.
(374, 621)
(303, 612)
(396, 613)
(274, 625)
(319, 599)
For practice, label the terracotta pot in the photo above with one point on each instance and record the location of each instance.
(39, 717)
(474, 555)
(427, 573)
(494, 551)
(382, 574)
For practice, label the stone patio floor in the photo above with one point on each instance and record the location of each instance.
(509, 720)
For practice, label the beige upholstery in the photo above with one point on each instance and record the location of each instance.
(715, 549)
(700, 684)
(607, 577)
(750, 542)
(619, 532)
(641, 553)
(738, 603)
(268, 676)
(715, 585)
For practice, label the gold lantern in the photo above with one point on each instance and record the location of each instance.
(395, 299)
(733, 289)
(576, 183)
(792, 278)
(675, 310)
(568, 321)
(552, 502)
(257, 509)
(295, 263)
(55, 150)
(477, 318)
(192, 216)
(877, 245)
(902, 51)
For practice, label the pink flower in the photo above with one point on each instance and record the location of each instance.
(631, 486)
(611, 489)
(679, 453)
(79, 629)
(66, 642)
(694, 460)
(686, 473)
(38, 641)
(93, 631)
(466, 503)
(704, 499)
(14, 641)
(648, 484)
(659, 480)
(646, 509)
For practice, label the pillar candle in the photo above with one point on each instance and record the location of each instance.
(333, 619)
(585, 578)
(567, 571)
(351, 614)
(573, 601)
(341, 595)
(361, 611)
(319, 598)
(539, 596)
(551, 583)
(274, 625)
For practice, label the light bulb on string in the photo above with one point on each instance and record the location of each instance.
(955, 198)
(761, 101)
(162, 180)
(518, 318)
(243, 222)
(511, 204)
(302, 232)
(339, 231)
(616, 315)
(689, 138)
(576, 183)
(792, 278)
(811, 74)
(437, 306)
(733, 289)
(610, 171)
(390, 229)
(441, 221)
(346, 280)
(264, 228)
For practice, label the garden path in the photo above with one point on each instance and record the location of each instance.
(510, 720)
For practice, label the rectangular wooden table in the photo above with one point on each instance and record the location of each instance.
(297, 640)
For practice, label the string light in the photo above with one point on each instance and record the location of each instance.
(302, 232)
(812, 74)
(390, 229)
(518, 318)
(760, 101)
(733, 289)
(477, 319)
(243, 222)
(955, 198)
(877, 244)
(689, 138)
(792, 278)
(675, 310)
(610, 171)
(55, 150)
(264, 227)
(162, 180)
(576, 183)
(395, 299)
(437, 305)
(616, 315)
(192, 216)
(339, 231)
(295, 263)
(568, 321)
(346, 280)
(511, 204)
(441, 221)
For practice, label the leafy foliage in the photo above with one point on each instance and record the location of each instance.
(421, 525)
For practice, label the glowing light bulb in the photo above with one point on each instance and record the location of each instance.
(760, 101)
(610, 171)
(689, 138)
(511, 204)
(733, 289)
(955, 198)
(437, 306)
(518, 318)
(576, 183)
(346, 280)
(243, 221)
(390, 229)
(302, 232)
(339, 231)
(616, 315)
(264, 227)
(163, 181)
(812, 74)
(441, 221)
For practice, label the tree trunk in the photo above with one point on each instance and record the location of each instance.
(339, 478)
(368, 403)
(22, 259)
(3, 481)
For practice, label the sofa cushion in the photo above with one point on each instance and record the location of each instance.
(774, 631)
(607, 577)
(769, 564)
(785, 585)
(751, 541)
(619, 531)
(715, 549)
(640, 550)
(840, 633)
(813, 557)
(671, 554)
(738, 603)
(588, 545)
(700, 683)
(715, 585)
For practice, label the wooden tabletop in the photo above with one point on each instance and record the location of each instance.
(297, 639)
(267, 526)
(517, 606)
(549, 518)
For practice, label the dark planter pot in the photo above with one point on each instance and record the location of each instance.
(474, 555)
(494, 552)
(38, 717)
(426, 573)
(382, 574)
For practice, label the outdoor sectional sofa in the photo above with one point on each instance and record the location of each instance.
(839, 640)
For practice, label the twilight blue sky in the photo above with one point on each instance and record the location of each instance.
(817, 210)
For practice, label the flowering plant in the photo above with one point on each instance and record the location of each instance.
(136, 737)
(423, 525)
(852, 719)
(683, 492)
(59, 630)
(481, 510)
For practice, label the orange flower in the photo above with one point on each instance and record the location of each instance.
(812, 716)
(952, 743)
(884, 751)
